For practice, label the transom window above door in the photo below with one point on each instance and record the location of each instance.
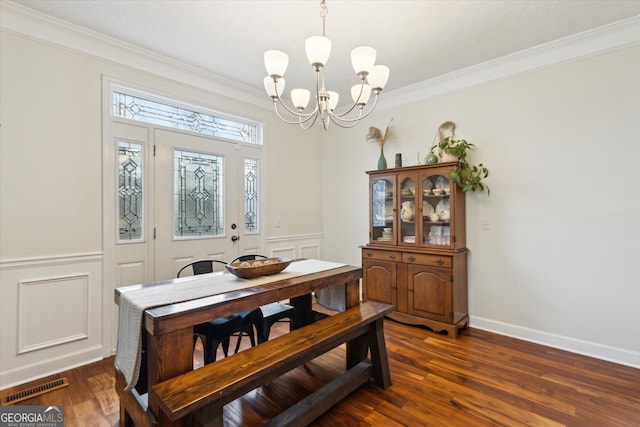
(144, 109)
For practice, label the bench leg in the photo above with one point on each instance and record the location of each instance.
(379, 360)
(357, 350)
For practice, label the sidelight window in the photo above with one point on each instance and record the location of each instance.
(130, 191)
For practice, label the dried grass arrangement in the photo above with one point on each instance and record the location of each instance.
(376, 135)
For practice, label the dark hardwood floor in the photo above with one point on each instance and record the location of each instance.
(478, 379)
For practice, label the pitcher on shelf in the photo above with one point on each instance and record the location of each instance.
(408, 211)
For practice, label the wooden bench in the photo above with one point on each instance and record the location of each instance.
(202, 393)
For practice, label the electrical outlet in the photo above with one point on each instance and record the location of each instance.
(486, 224)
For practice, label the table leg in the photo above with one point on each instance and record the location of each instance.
(356, 349)
(168, 356)
(303, 311)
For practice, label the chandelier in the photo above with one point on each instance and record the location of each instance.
(318, 48)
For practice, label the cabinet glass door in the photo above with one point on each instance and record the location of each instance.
(408, 212)
(382, 211)
(436, 210)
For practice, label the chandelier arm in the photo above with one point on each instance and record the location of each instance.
(360, 116)
(355, 103)
(294, 122)
(311, 124)
(306, 116)
(344, 126)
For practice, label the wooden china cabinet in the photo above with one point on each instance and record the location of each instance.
(416, 258)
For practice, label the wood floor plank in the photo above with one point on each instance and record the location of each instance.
(479, 379)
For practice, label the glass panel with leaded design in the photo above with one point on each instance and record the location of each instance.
(149, 111)
(199, 194)
(130, 191)
(251, 207)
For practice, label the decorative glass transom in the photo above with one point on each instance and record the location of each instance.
(199, 207)
(148, 111)
(251, 196)
(130, 191)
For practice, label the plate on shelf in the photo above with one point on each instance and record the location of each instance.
(408, 188)
(443, 205)
(442, 182)
(427, 184)
(427, 208)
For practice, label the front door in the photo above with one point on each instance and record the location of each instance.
(196, 201)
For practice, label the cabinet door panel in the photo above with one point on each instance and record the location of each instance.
(430, 293)
(380, 281)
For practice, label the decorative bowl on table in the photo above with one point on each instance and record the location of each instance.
(258, 267)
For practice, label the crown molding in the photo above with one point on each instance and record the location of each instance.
(28, 23)
(598, 41)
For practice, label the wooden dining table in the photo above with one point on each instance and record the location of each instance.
(167, 329)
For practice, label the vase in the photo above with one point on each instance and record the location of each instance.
(382, 162)
(431, 158)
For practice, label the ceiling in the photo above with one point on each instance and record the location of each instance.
(417, 39)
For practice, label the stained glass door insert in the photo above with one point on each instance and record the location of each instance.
(199, 194)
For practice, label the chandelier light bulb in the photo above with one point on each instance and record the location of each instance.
(276, 62)
(378, 77)
(361, 98)
(300, 98)
(333, 99)
(318, 49)
(363, 58)
(273, 90)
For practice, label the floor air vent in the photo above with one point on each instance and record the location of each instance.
(35, 391)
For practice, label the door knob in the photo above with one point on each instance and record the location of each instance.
(235, 238)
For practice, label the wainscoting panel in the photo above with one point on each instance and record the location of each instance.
(310, 251)
(296, 246)
(284, 252)
(50, 315)
(59, 301)
(131, 273)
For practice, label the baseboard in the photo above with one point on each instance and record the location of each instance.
(586, 348)
(45, 368)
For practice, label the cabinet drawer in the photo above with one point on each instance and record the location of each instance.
(423, 259)
(381, 255)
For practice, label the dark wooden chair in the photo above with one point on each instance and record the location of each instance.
(217, 331)
(263, 318)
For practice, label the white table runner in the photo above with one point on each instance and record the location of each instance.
(133, 303)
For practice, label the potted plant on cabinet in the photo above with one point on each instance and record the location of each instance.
(470, 177)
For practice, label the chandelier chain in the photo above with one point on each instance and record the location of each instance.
(324, 11)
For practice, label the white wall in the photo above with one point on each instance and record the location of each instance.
(561, 263)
